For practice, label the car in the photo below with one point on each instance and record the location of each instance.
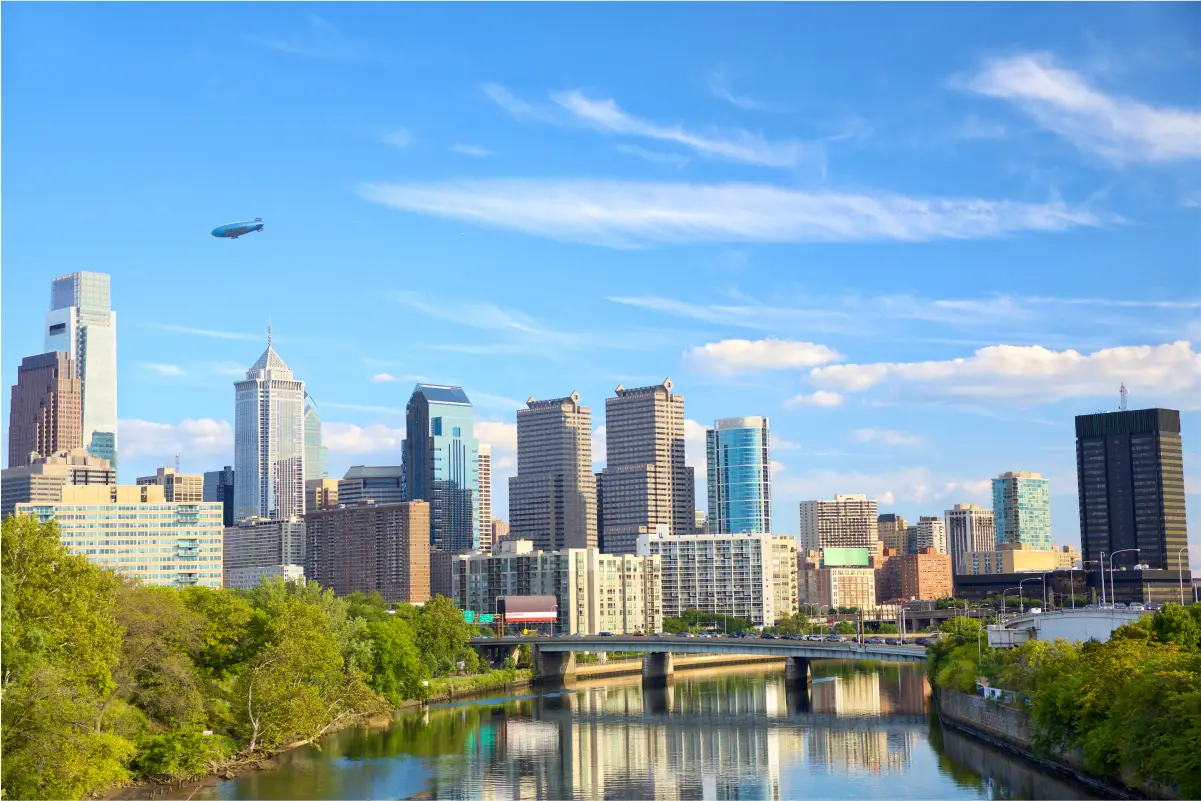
(874, 641)
(705, 634)
(1137, 607)
(768, 635)
(1119, 605)
(606, 634)
(639, 634)
(1090, 606)
(833, 638)
(685, 634)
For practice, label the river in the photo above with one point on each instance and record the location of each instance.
(860, 731)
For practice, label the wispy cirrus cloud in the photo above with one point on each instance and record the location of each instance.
(631, 214)
(654, 157)
(208, 332)
(159, 368)
(718, 82)
(319, 39)
(821, 399)
(1119, 129)
(884, 436)
(471, 150)
(399, 138)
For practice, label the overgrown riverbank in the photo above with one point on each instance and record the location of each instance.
(1127, 710)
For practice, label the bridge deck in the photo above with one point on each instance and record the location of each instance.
(714, 645)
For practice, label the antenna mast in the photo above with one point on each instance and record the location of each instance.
(177, 463)
(1122, 394)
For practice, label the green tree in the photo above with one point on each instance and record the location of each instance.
(225, 645)
(60, 644)
(443, 637)
(792, 624)
(399, 673)
(1175, 624)
(844, 627)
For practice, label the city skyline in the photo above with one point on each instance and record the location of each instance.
(849, 346)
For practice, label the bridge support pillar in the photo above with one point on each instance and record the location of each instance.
(798, 670)
(658, 669)
(553, 668)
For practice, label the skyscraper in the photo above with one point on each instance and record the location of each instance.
(1130, 471)
(177, 487)
(931, 533)
(970, 529)
(1021, 504)
(848, 521)
(893, 532)
(269, 440)
(45, 415)
(646, 482)
(552, 499)
(383, 484)
(739, 476)
(314, 451)
(441, 464)
(485, 476)
(82, 324)
(219, 488)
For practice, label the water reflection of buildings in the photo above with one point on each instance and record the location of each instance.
(727, 737)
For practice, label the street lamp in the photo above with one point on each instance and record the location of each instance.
(1112, 591)
(1004, 606)
(1047, 573)
(1021, 597)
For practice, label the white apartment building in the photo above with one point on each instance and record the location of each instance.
(848, 521)
(247, 578)
(596, 592)
(970, 529)
(784, 576)
(258, 544)
(132, 530)
(931, 533)
(721, 574)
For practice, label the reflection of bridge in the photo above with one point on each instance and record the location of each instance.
(553, 658)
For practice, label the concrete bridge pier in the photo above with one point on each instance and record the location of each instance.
(552, 668)
(658, 669)
(798, 670)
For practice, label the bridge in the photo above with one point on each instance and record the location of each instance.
(1069, 624)
(553, 658)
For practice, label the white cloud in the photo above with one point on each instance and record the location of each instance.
(884, 436)
(739, 146)
(382, 378)
(914, 485)
(654, 157)
(363, 407)
(694, 448)
(351, 439)
(718, 86)
(514, 105)
(471, 150)
(189, 438)
(632, 214)
(320, 40)
(1034, 374)
(777, 467)
(399, 138)
(172, 370)
(742, 355)
(599, 448)
(778, 443)
(206, 332)
(1119, 129)
(502, 436)
(230, 369)
(821, 399)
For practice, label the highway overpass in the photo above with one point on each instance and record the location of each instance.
(1068, 624)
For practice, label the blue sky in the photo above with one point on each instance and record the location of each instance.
(921, 239)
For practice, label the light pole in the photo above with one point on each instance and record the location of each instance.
(1101, 570)
(1021, 596)
(1047, 573)
(1085, 572)
(1004, 606)
(1112, 591)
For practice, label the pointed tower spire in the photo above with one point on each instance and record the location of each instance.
(268, 332)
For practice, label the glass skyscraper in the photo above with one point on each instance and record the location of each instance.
(81, 322)
(1021, 504)
(441, 464)
(739, 476)
(314, 451)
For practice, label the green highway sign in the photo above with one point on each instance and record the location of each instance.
(468, 616)
(487, 618)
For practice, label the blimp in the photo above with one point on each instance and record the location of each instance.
(236, 229)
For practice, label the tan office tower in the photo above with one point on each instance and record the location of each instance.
(500, 530)
(370, 548)
(646, 480)
(45, 415)
(320, 494)
(552, 499)
(177, 487)
(484, 453)
(893, 531)
(42, 480)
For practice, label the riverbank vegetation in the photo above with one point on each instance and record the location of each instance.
(696, 621)
(108, 681)
(1129, 707)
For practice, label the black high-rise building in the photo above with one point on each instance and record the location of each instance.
(219, 488)
(1130, 471)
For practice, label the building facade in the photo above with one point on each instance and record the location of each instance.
(247, 578)
(1017, 558)
(785, 578)
(931, 533)
(441, 464)
(596, 592)
(834, 587)
(552, 499)
(721, 574)
(41, 481)
(969, 529)
(263, 543)
(133, 531)
(269, 440)
(925, 575)
(848, 521)
(893, 532)
(219, 488)
(177, 487)
(1130, 474)
(320, 494)
(315, 453)
(382, 484)
(646, 482)
(371, 548)
(81, 323)
(45, 413)
(485, 481)
(1021, 505)
(738, 454)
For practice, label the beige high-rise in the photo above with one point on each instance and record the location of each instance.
(893, 531)
(320, 494)
(177, 487)
(552, 499)
(45, 414)
(484, 453)
(646, 482)
(42, 480)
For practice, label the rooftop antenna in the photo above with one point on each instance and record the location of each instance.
(1122, 393)
(177, 463)
(268, 332)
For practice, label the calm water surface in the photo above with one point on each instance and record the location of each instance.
(745, 733)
